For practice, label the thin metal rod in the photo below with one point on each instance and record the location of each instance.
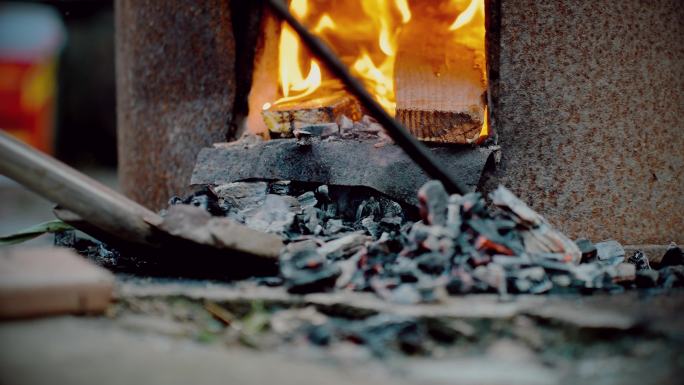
(94, 202)
(413, 148)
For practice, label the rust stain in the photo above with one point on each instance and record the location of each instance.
(175, 91)
(590, 115)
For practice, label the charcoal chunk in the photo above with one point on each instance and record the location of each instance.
(433, 200)
(281, 187)
(646, 278)
(531, 280)
(241, 195)
(205, 199)
(454, 211)
(308, 199)
(305, 270)
(372, 227)
(275, 215)
(589, 253)
(322, 193)
(640, 260)
(321, 335)
(673, 256)
(624, 274)
(344, 246)
(610, 252)
(433, 263)
(334, 226)
(369, 208)
(66, 238)
(671, 276)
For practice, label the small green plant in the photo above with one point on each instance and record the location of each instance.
(54, 226)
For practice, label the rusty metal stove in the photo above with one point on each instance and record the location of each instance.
(588, 114)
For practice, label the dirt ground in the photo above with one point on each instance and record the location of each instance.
(180, 332)
(168, 332)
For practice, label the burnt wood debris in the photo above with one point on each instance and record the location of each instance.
(342, 238)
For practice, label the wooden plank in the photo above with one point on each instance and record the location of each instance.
(282, 119)
(439, 91)
(42, 281)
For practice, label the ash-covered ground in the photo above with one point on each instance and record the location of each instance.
(365, 256)
(353, 239)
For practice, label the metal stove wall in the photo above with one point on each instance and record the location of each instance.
(175, 90)
(590, 114)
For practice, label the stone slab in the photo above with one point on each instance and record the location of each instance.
(337, 162)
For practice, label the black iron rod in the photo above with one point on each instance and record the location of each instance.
(413, 148)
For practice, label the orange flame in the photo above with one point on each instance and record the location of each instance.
(292, 81)
(368, 43)
(469, 25)
(370, 48)
(469, 31)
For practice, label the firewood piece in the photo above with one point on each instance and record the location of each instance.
(42, 281)
(282, 119)
(439, 90)
(194, 224)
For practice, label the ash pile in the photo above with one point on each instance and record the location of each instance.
(349, 239)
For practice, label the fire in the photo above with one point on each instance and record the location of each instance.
(468, 28)
(364, 33)
(291, 77)
(290, 74)
(368, 48)
(326, 22)
(378, 79)
(469, 31)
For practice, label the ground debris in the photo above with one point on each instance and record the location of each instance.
(194, 224)
(356, 239)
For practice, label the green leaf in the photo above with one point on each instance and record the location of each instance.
(54, 226)
(254, 324)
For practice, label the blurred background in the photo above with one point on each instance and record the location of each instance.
(57, 93)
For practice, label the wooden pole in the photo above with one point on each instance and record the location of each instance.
(96, 203)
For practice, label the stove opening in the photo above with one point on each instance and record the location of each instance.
(423, 61)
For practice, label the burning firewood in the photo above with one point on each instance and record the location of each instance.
(439, 87)
(284, 118)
